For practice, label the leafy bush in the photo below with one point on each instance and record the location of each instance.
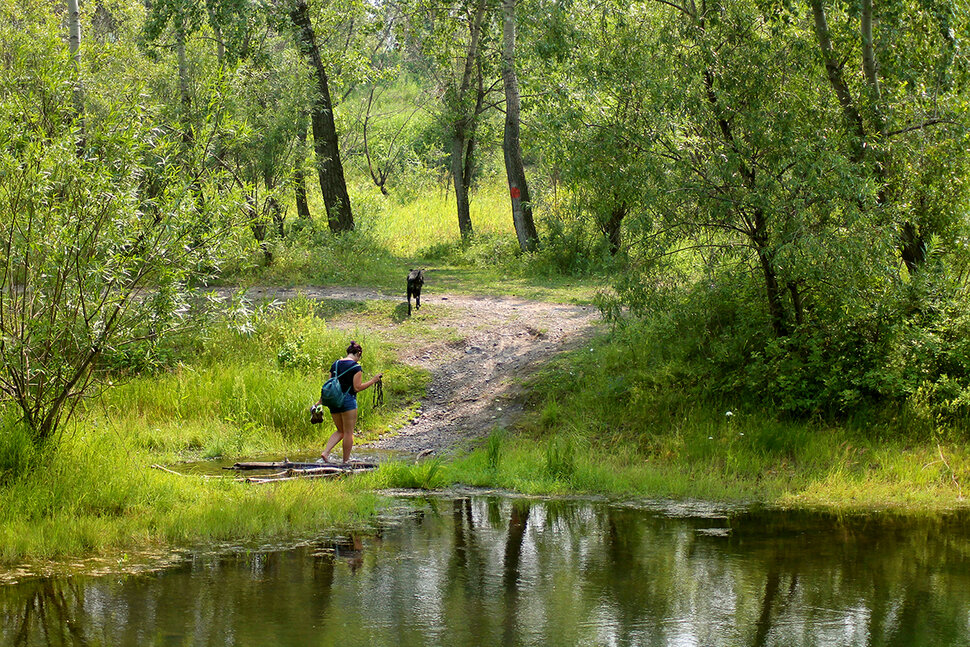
(570, 247)
(907, 350)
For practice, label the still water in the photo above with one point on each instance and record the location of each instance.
(488, 570)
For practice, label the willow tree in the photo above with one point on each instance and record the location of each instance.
(902, 108)
(88, 263)
(525, 228)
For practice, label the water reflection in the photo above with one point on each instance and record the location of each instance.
(493, 571)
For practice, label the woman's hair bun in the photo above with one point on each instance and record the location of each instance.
(354, 348)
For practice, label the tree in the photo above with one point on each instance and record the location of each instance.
(899, 104)
(525, 227)
(596, 119)
(88, 262)
(450, 38)
(466, 99)
(326, 144)
(266, 92)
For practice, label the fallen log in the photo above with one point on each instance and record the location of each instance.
(288, 465)
(293, 475)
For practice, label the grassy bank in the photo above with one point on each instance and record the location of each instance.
(597, 426)
(238, 386)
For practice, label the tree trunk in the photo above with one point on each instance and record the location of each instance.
(378, 176)
(869, 65)
(184, 97)
(612, 227)
(458, 152)
(776, 309)
(912, 242)
(74, 39)
(257, 225)
(299, 178)
(463, 137)
(273, 208)
(329, 167)
(525, 228)
(850, 113)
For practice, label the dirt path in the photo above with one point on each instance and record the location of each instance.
(494, 342)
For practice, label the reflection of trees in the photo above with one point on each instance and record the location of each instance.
(518, 520)
(518, 572)
(50, 612)
(850, 580)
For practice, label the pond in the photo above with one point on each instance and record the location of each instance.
(482, 569)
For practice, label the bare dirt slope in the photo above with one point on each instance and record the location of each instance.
(488, 344)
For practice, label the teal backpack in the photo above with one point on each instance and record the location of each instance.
(332, 394)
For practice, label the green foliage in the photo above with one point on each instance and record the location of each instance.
(430, 474)
(493, 448)
(18, 450)
(99, 238)
(560, 463)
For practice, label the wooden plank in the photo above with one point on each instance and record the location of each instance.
(288, 465)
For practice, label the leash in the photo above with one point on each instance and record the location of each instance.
(379, 394)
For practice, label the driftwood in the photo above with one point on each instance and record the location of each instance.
(289, 471)
(320, 471)
(288, 465)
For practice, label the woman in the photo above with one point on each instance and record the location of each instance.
(345, 416)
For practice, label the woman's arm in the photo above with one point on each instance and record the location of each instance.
(360, 384)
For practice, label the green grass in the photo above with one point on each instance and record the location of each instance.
(245, 393)
(829, 472)
(416, 229)
(597, 426)
(603, 419)
(100, 496)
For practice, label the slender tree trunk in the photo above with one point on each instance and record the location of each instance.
(184, 96)
(463, 137)
(257, 224)
(273, 207)
(74, 40)
(329, 167)
(869, 65)
(850, 112)
(217, 32)
(378, 176)
(912, 241)
(525, 228)
(773, 292)
(458, 152)
(299, 179)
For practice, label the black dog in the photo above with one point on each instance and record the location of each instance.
(415, 281)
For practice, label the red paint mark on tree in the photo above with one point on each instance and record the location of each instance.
(516, 194)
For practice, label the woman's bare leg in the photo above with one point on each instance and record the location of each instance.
(335, 437)
(350, 421)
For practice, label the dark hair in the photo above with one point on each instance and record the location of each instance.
(354, 348)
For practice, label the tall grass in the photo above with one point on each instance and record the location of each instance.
(100, 495)
(245, 392)
(599, 425)
(409, 227)
(391, 234)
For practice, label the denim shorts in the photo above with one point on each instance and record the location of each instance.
(349, 404)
